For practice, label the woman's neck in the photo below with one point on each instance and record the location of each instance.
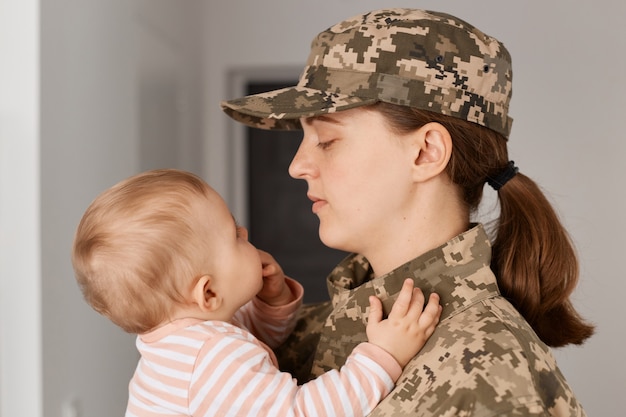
(411, 237)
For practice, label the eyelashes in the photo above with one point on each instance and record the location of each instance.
(326, 144)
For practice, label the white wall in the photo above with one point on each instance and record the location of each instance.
(568, 103)
(20, 258)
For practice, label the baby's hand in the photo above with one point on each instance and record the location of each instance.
(407, 328)
(274, 292)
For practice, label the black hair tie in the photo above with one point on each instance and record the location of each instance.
(503, 177)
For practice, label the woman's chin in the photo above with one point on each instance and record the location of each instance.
(336, 242)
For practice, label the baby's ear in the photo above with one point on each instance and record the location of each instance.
(204, 296)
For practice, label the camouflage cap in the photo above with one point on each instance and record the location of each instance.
(417, 58)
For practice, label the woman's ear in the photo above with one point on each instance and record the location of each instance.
(433, 148)
(204, 295)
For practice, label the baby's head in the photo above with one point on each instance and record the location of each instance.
(142, 244)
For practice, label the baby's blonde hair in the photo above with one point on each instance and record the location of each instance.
(137, 249)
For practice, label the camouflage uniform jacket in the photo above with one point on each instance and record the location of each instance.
(483, 359)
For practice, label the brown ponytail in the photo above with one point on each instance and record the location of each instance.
(536, 263)
(533, 257)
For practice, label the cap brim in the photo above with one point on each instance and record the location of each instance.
(282, 109)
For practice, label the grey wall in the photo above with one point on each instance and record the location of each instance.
(99, 90)
(88, 141)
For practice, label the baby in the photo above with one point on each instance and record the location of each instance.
(161, 256)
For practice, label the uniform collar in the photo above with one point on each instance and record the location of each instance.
(459, 271)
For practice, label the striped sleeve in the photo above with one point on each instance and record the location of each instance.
(160, 384)
(217, 369)
(236, 377)
(271, 324)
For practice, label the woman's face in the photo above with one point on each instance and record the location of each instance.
(358, 173)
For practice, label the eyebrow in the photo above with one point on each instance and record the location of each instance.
(321, 118)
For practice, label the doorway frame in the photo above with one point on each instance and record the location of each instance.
(237, 148)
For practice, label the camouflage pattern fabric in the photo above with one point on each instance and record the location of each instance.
(482, 360)
(422, 59)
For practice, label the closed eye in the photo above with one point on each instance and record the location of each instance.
(325, 145)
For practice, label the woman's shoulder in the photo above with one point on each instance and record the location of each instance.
(487, 357)
(492, 334)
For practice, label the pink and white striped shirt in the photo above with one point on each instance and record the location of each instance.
(195, 368)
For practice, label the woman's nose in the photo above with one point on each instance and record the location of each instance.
(301, 165)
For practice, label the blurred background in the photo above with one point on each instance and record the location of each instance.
(93, 91)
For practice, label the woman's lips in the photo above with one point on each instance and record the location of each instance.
(317, 203)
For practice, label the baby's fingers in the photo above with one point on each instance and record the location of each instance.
(269, 269)
(409, 302)
(376, 310)
(431, 314)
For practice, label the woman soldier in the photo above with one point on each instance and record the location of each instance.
(405, 118)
